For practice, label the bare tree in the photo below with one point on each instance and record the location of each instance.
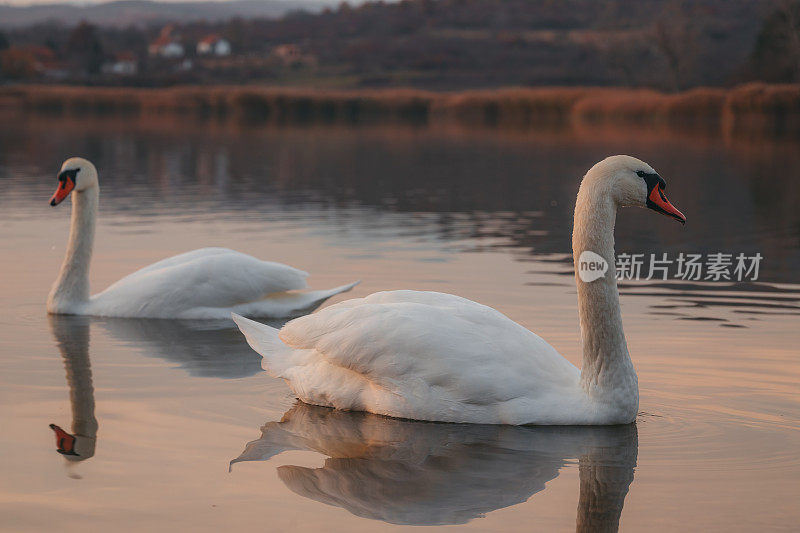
(624, 57)
(776, 56)
(791, 13)
(675, 39)
(84, 48)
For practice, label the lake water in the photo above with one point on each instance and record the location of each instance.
(188, 428)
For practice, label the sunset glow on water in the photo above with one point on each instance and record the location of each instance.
(483, 215)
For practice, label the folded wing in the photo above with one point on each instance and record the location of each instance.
(407, 353)
(208, 277)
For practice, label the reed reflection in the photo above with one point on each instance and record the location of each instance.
(421, 473)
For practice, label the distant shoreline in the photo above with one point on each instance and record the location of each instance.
(747, 110)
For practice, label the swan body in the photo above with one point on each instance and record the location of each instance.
(208, 283)
(439, 357)
(424, 356)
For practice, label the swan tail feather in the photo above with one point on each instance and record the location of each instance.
(274, 441)
(264, 339)
(320, 296)
(290, 304)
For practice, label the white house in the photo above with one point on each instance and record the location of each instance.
(213, 45)
(166, 45)
(122, 64)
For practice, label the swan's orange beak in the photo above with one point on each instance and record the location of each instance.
(65, 443)
(657, 201)
(66, 182)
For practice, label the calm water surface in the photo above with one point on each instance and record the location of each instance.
(180, 427)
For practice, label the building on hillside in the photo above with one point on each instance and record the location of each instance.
(46, 63)
(292, 54)
(121, 64)
(166, 45)
(288, 53)
(213, 45)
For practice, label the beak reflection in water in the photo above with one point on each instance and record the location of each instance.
(422, 473)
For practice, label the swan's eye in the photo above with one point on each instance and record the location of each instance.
(70, 173)
(641, 173)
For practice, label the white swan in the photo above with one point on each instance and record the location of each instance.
(208, 283)
(439, 357)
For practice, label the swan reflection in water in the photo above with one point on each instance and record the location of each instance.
(424, 473)
(202, 348)
(72, 337)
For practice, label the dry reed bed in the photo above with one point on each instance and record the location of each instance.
(747, 109)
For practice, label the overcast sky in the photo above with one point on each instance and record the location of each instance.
(31, 2)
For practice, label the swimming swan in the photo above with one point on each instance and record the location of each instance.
(439, 357)
(208, 283)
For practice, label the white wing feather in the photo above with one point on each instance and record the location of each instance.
(204, 278)
(422, 355)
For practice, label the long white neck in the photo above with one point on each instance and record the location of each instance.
(71, 288)
(607, 374)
